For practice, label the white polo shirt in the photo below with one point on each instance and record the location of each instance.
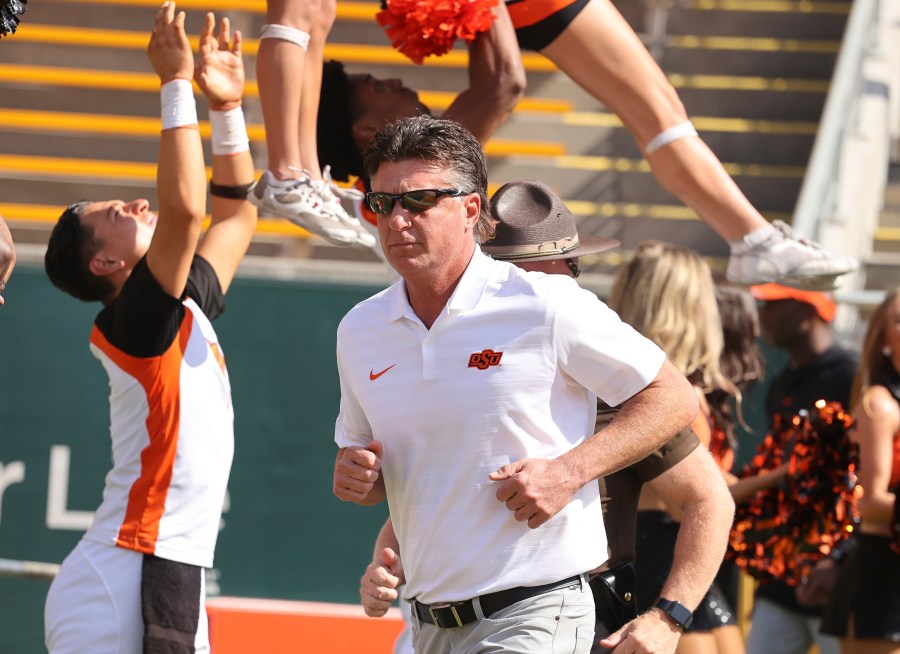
(510, 369)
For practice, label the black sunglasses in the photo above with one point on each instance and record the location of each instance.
(573, 266)
(412, 201)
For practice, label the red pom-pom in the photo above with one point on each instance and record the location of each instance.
(421, 28)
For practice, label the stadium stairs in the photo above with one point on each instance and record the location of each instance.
(79, 114)
(883, 266)
(79, 119)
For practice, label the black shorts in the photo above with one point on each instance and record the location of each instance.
(539, 22)
(867, 591)
(656, 535)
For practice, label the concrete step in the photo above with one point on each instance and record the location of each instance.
(746, 147)
(890, 217)
(27, 126)
(753, 80)
(892, 196)
(20, 188)
(883, 270)
(892, 192)
(887, 242)
(632, 231)
(737, 146)
(41, 53)
(110, 148)
(789, 98)
(825, 25)
(766, 193)
(124, 50)
(788, 105)
(765, 63)
(126, 15)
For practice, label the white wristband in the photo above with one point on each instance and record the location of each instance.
(670, 135)
(229, 131)
(178, 105)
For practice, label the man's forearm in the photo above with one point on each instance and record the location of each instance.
(703, 533)
(644, 423)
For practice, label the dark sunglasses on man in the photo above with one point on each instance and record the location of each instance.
(413, 201)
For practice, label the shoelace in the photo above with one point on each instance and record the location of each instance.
(303, 188)
(344, 193)
(331, 192)
(789, 232)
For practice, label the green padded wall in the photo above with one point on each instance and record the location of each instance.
(285, 535)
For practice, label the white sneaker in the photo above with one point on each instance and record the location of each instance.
(779, 255)
(344, 193)
(298, 201)
(331, 195)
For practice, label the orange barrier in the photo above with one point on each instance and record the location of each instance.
(239, 625)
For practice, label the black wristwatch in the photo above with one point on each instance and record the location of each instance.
(676, 612)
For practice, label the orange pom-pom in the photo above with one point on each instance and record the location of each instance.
(422, 28)
(782, 532)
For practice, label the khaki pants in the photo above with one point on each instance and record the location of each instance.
(558, 622)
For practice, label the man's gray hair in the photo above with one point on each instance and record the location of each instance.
(445, 143)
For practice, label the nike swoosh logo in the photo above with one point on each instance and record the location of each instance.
(375, 375)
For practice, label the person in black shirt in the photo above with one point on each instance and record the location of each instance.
(798, 322)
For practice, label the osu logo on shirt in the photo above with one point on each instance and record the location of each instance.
(485, 359)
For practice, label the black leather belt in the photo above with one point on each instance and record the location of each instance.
(457, 614)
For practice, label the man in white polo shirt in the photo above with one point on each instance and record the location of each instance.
(468, 398)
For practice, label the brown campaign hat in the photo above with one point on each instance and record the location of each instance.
(534, 224)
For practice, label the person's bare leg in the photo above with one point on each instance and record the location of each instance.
(311, 87)
(279, 67)
(698, 642)
(624, 77)
(868, 646)
(603, 55)
(289, 78)
(729, 639)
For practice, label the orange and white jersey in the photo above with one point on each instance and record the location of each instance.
(171, 421)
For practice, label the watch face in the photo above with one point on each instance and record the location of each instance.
(678, 613)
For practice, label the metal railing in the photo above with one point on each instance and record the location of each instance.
(28, 569)
(843, 190)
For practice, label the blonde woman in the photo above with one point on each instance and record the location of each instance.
(865, 610)
(667, 293)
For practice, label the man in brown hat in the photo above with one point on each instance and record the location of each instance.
(537, 232)
(468, 394)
